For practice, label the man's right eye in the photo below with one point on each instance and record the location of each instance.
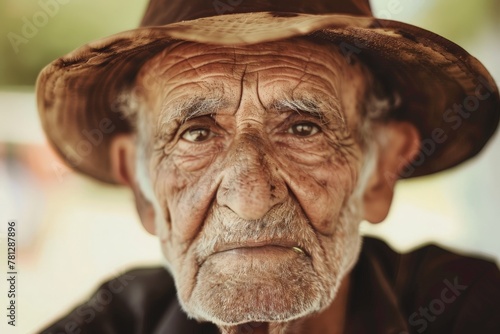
(197, 134)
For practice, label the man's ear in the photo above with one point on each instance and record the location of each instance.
(401, 145)
(123, 159)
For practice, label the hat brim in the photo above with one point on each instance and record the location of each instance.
(446, 93)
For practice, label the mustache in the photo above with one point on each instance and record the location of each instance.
(284, 224)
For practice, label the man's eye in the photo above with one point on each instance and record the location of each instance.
(197, 134)
(303, 129)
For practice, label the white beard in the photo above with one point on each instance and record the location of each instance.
(265, 290)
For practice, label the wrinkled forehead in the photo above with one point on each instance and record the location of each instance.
(297, 68)
(297, 51)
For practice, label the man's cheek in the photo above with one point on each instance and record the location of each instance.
(171, 185)
(189, 205)
(323, 196)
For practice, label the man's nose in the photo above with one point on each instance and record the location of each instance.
(251, 185)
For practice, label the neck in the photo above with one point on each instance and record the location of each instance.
(329, 321)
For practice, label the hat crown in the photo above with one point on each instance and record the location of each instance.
(161, 12)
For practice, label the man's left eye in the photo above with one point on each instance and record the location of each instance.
(303, 129)
(197, 134)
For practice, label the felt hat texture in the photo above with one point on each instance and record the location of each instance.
(445, 92)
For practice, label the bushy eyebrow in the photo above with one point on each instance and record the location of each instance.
(190, 108)
(323, 110)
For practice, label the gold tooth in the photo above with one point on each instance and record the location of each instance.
(298, 250)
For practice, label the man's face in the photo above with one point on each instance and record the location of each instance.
(253, 163)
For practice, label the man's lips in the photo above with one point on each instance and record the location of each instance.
(258, 245)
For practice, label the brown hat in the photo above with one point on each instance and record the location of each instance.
(446, 93)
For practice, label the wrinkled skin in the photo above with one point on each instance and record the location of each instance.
(236, 189)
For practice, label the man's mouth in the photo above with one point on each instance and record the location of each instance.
(262, 246)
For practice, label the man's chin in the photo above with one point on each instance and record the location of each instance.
(244, 286)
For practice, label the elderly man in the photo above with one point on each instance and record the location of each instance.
(255, 143)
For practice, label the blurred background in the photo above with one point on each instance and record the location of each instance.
(74, 233)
